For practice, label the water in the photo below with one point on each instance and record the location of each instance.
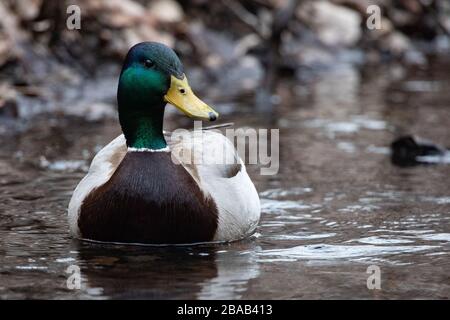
(337, 205)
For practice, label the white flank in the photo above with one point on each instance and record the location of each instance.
(100, 171)
(236, 197)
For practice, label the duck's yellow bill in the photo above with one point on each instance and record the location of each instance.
(181, 96)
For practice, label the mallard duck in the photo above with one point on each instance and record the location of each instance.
(134, 191)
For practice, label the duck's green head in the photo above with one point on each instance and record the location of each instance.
(151, 76)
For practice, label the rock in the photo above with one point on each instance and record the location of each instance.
(415, 57)
(10, 35)
(27, 9)
(334, 25)
(5, 49)
(93, 111)
(115, 13)
(395, 43)
(216, 48)
(8, 109)
(123, 23)
(99, 111)
(245, 44)
(358, 5)
(8, 102)
(226, 62)
(315, 57)
(125, 39)
(166, 11)
(238, 77)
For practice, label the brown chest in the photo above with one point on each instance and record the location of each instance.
(149, 199)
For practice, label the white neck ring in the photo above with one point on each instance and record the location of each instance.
(165, 149)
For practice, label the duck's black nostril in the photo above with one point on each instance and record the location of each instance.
(212, 116)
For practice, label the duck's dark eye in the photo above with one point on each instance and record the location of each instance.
(148, 63)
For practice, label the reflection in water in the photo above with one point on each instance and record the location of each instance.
(337, 204)
(127, 272)
(235, 270)
(146, 272)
